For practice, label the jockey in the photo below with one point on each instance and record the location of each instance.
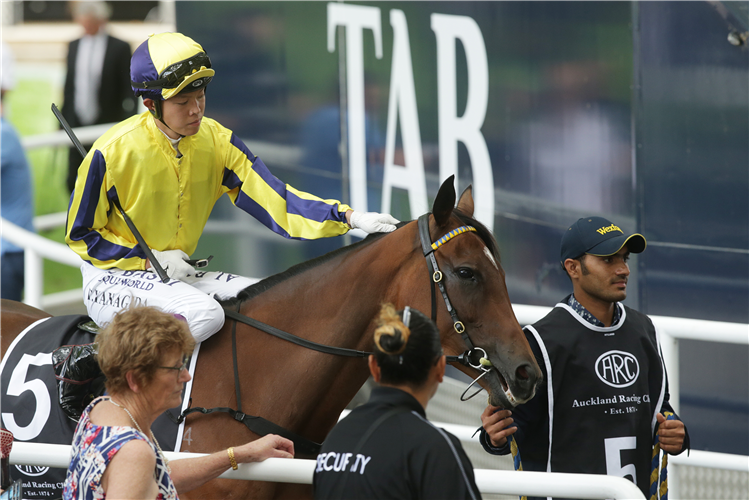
(167, 167)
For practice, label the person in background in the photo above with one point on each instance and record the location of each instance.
(16, 190)
(144, 353)
(605, 395)
(97, 88)
(168, 167)
(387, 448)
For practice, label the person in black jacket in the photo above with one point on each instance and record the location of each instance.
(97, 83)
(605, 394)
(387, 448)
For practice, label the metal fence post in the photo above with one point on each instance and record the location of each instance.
(33, 281)
(670, 349)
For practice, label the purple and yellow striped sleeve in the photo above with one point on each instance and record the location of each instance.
(91, 220)
(283, 209)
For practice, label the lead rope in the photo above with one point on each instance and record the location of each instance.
(516, 461)
(659, 484)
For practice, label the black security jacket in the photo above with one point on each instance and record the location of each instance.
(405, 457)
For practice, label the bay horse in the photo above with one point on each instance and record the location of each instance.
(335, 300)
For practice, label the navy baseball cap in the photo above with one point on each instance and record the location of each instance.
(598, 236)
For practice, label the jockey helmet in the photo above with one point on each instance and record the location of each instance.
(168, 63)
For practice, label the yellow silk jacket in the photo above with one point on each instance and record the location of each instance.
(169, 199)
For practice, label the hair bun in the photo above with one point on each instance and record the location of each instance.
(391, 336)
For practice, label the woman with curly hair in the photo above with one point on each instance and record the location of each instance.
(144, 354)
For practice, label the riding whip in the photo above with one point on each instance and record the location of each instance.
(141, 242)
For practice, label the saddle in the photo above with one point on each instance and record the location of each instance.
(77, 374)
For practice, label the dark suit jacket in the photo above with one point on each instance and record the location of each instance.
(116, 99)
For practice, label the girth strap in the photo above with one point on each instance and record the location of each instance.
(237, 388)
(259, 426)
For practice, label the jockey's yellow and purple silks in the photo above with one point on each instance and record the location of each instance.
(169, 199)
(452, 234)
(659, 482)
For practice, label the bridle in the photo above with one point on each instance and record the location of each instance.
(475, 357)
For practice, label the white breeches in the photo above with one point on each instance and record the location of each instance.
(105, 292)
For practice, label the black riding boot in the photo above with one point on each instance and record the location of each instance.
(79, 378)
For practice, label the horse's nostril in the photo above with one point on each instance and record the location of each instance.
(522, 373)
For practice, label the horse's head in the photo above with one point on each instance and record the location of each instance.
(474, 283)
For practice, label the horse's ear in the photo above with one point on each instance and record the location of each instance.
(465, 203)
(444, 202)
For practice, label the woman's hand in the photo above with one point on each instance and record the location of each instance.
(191, 473)
(270, 446)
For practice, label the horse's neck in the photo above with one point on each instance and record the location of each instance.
(335, 303)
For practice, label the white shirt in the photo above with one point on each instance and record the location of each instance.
(175, 143)
(88, 67)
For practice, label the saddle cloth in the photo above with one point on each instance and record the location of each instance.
(30, 409)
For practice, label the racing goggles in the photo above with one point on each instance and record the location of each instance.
(175, 74)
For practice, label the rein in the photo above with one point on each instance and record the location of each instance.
(272, 330)
(474, 357)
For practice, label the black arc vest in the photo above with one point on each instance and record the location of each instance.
(604, 390)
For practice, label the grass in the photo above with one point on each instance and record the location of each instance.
(27, 107)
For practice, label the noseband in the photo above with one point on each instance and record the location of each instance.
(475, 357)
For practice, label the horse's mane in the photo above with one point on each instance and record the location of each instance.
(253, 291)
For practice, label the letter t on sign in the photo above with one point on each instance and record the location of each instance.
(356, 18)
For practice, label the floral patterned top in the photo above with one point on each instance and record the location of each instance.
(94, 446)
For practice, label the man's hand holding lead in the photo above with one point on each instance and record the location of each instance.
(670, 434)
(496, 422)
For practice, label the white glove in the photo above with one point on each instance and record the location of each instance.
(173, 262)
(373, 222)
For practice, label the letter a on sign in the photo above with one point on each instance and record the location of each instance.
(402, 106)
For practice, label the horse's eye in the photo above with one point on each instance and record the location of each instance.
(465, 273)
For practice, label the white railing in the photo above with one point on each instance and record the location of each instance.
(37, 248)
(87, 135)
(301, 471)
